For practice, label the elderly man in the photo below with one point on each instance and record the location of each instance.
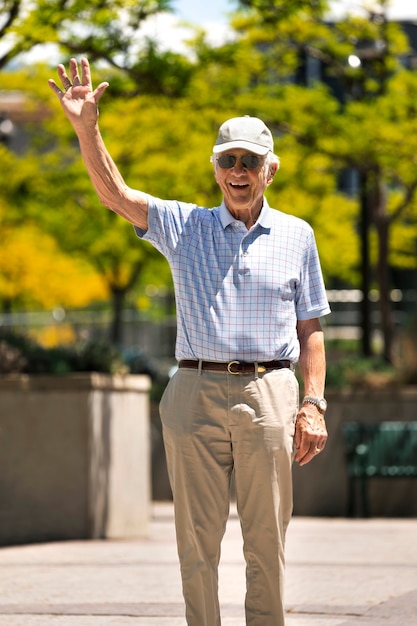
(249, 295)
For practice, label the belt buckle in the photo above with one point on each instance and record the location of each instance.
(229, 365)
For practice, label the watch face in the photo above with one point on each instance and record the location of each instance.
(322, 405)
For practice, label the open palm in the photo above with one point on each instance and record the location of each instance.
(77, 97)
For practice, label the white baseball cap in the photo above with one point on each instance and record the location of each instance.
(249, 133)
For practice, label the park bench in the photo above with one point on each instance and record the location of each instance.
(383, 450)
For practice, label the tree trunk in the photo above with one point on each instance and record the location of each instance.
(7, 306)
(119, 294)
(382, 225)
(365, 266)
(385, 305)
(116, 326)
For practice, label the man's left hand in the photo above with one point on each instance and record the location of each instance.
(310, 433)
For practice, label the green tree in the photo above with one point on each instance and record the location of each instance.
(35, 272)
(33, 269)
(103, 29)
(359, 121)
(156, 145)
(163, 113)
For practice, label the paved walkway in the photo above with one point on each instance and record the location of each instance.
(339, 573)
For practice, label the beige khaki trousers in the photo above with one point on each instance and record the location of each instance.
(213, 423)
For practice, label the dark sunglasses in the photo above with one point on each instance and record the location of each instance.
(250, 161)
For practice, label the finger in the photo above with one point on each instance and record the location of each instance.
(314, 450)
(303, 451)
(303, 459)
(66, 83)
(98, 92)
(74, 72)
(308, 449)
(61, 71)
(297, 434)
(85, 72)
(321, 444)
(55, 88)
(86, 80)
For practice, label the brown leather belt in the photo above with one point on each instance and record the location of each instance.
(236, 367)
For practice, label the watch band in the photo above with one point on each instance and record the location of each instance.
(320, 403)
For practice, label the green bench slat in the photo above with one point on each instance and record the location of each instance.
(384, 449)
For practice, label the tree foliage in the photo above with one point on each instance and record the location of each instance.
(161, 113)
(146, 147)
(103, 29)
(35, 273)
(358, 122)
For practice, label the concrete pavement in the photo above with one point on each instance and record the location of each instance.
(339, 573)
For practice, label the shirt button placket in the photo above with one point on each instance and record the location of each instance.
(244, 263)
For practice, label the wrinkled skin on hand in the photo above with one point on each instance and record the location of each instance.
(77, 96)
(310, 433)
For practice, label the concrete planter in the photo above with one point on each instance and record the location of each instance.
(74, 457)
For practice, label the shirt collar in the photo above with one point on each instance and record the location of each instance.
(264, 218)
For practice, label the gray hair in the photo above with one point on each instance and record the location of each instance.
(272, 158)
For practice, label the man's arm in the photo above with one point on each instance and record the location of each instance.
(310, 429)
(80, 104)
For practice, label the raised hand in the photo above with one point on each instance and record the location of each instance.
(77, 97)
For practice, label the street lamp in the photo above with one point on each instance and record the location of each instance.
(6, 129)
(354, 61)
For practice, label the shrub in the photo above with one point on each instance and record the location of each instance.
(360, 372)
(21, 355)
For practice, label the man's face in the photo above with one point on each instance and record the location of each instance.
(242, 188)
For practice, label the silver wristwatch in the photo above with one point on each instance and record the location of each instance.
(320, 403)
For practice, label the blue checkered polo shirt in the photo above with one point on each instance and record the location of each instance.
(239, 293)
